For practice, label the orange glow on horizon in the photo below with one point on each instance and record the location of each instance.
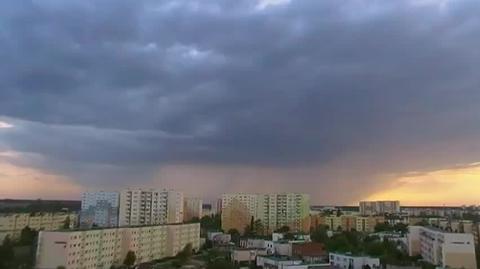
(456, 186)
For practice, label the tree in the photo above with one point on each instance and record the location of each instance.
(130, 259)
(383, 227)
(401, 227)
(235, 234)
(320, 234)
(6, 253)
(66, 223)
(184, 255)
(258, 227)
(210, 223)
(220, 264)
(283, 229)
(27, 236)
(339, 212)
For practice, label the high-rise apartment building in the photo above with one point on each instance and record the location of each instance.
(149, 207)
(192, 208)
(444, 249)
(99, 209)
(273, 210)
(368, 208)
(284, 209)
(102, 248)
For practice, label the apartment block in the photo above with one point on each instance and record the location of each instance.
(99, 209)
(150, 207)
(192, 208)
(181, 235)
(368, 208)
(367, 224)
(284, 209)
(12, 224)
(102, 248)
(273, 210)
(444, 249)
(347, 222)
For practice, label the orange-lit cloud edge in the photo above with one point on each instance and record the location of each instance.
(459, 185)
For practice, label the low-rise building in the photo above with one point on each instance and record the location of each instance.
(277, 262)
(246, 255)
(12, 224)
(442, 248)
(102, 248)
(348, 261)
(310, 252)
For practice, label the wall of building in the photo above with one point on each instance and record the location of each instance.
(12, 224)
(101, 248)
(150, 207)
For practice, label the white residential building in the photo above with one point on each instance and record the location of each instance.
(368, 208)
(102, 248)
(99, 209)
(192, 208)
(277, 262)
(455, 250)
(273, 210)
(347, 261)
(149, 207)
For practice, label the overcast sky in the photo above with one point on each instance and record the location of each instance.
(339, 99)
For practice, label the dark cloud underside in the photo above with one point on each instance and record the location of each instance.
(140, 84)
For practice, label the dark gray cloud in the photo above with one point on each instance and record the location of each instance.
(134, 85)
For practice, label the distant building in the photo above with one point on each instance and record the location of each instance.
(99, 209)
(444, 249)
(433, 211)
(347, 222)
(207, 210)
(348, 261)
(368, 208)
(102, 248)
(12, 224)
(273, 210)
(150, 207)
(219, 206)
(192, 208)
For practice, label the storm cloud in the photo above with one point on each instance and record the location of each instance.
(318, 93)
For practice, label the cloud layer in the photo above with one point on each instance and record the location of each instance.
(319, 93)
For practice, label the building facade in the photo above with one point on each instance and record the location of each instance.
(150, 207)
(12, 224)
(347, 222)
(102, 248)
(99, 209)
(284, 209)
(445, 249)
(368, 208)
(192, 208)
(347, 261)
(273, 210)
